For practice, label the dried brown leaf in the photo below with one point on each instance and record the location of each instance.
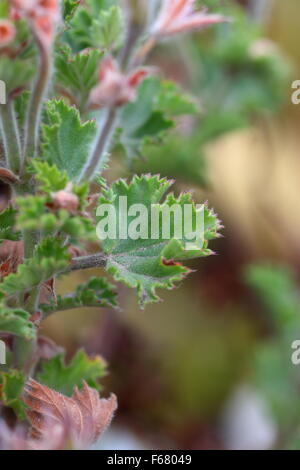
(84, 416)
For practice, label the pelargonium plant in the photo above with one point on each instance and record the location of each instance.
(77, 87)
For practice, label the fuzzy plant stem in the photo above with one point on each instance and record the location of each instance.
(99, 156)
(11, 138)
(97, 260)
(35, 105)
(25, 351)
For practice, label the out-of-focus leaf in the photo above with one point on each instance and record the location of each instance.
(77, 74)
(11, 388)
(97, 292)
(50, 257)
(63, 378)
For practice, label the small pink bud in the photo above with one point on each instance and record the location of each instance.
(178, 16)
(43, 15)
(115, 88)
(64, 199)
(7, 32)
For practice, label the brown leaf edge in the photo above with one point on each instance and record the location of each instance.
(83, 417)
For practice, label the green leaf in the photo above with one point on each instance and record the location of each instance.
(141, 119)
(66, 141)
(4, 9)
(50, 257)
(51, 180)
(172, 101)
(150, 115)
(150, 263)
(78, 73)
(276, 286)
(79, 35)
(11, 388)
(181, 157)
(49, 177)
(274, 374)
(37, 212)
(69, 8)
(108, 29)
(99, 25)
(7, 224)
(63, 378)
(16, 322)
(97, 292)
(15, 73)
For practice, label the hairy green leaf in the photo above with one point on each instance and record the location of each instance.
(11, 389)
(108, 29)
(15, 73)
(49, 177)
(50, 257)
(77, 74)
(97, 292)
(148, 262)
(66, 141)
(7, 225)
(16, 322)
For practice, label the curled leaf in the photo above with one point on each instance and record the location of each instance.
(7, 176)
(84, 416)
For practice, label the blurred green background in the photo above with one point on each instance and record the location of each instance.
(210, 367)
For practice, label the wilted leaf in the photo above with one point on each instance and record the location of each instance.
(85, 416)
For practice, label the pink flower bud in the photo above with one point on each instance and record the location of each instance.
(43, 16)
(115, 88)
(178, 16)
(7, 32)
(65, 199)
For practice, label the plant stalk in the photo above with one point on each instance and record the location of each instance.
(35, 105)
(99, 155)
(10, 135)
(97, 260)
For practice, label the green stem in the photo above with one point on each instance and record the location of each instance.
(24, 352)
(10, 135)
(97, 260)
(35, 106)
(99, 156)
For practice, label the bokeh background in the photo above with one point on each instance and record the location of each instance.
(210, 367)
